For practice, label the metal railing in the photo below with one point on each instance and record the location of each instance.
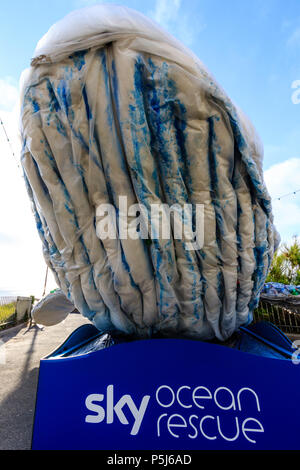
(284, 312)
(281, 311)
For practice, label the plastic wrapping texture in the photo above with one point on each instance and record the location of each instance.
(114, 106)
(52, 309)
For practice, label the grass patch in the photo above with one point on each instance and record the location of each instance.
(7, 312)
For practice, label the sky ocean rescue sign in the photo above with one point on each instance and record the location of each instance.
(167, 394)
(194, 423)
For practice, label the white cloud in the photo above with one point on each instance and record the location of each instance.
(22, 264)
(171, 15)
(294, 39)
(272, 152)
(166, 11)
(8, 94)
(87, 3)
(281, 179)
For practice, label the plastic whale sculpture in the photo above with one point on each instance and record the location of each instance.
(114, 106)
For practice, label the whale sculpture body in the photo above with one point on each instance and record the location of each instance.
(114, 106)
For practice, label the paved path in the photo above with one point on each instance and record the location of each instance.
(20, 353)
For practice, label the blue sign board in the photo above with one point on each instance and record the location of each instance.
(167, 394)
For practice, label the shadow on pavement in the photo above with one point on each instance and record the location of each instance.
(16, 414)
(17, 409)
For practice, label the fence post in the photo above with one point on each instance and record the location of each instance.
(23, 308)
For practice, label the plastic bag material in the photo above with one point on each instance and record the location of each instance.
(98, 344)
(114, 106)
(277, 288)
(52, 309)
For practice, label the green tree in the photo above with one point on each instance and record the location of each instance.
(292, 258)
(286, 264)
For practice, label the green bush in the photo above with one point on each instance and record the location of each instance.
(285, 267)
(7, 311)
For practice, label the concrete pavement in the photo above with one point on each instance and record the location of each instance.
(20, 353)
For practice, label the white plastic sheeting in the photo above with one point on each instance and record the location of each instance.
(114, 106)
(52, 309)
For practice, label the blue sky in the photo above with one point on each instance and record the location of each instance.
(252, 48)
